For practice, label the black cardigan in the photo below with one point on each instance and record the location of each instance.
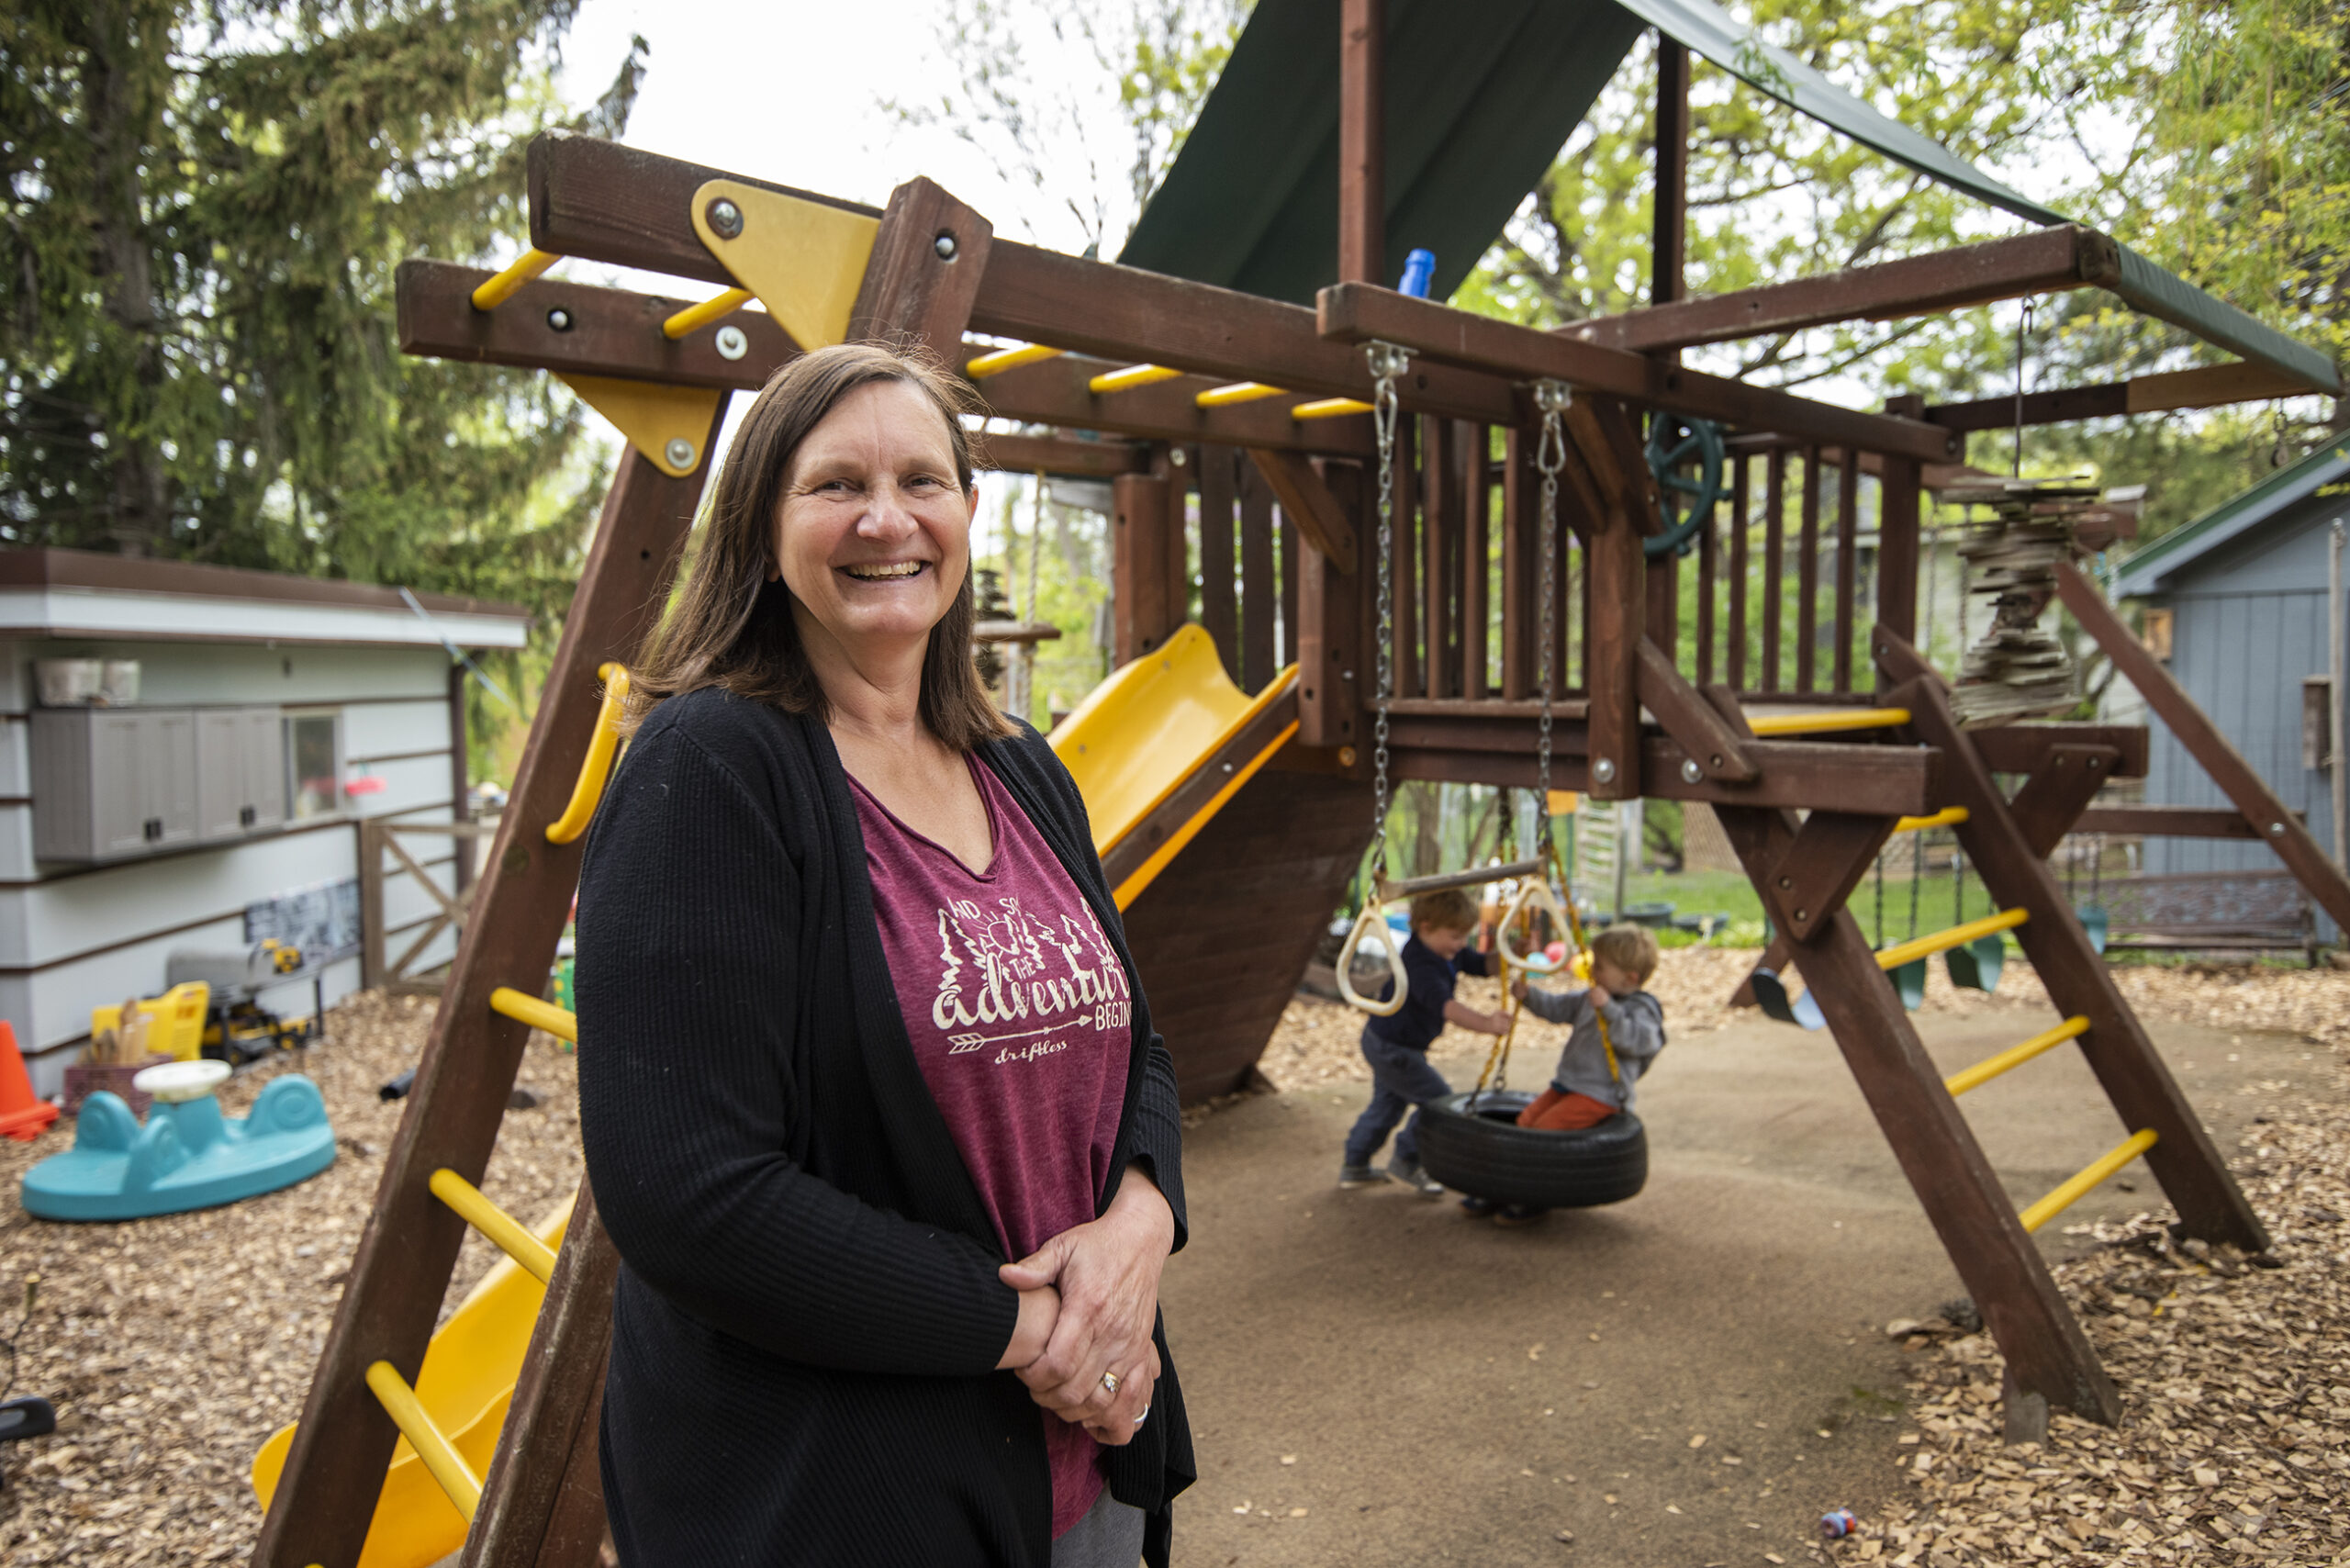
(808, 1317)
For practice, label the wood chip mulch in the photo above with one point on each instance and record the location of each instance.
(174, 1347)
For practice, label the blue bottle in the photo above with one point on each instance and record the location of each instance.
(1419, 271)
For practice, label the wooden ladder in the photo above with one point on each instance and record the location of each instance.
(1804, 873)
(541, 1499)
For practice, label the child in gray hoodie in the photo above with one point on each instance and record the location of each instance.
(1595, 1072)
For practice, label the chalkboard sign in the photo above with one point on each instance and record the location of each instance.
(321, 921)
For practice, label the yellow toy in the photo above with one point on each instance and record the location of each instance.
(175, 1020)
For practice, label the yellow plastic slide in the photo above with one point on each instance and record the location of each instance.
(466, 1381)
(1133, 741)
(1143, 732)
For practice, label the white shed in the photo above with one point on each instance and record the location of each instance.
(273, 714)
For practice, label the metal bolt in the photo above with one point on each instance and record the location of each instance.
(1346, 756)
(1603, 770)
(2276, 829)
(559, 320)
(725, 218)
(1175, 456)
(1692, 772)
(679, 452)
(1786, 882)
(1715, 759)
(732, 343)
(944, 246)
(1802, 915)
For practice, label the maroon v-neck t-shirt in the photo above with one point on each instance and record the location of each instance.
(1020, 1019)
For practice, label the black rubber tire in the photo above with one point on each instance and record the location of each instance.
(1489, 1155)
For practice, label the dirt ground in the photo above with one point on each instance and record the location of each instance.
(1692, 1377)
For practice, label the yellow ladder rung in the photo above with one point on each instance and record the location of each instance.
(1001, 360)
(1983, 1071)
(1238, 392)
(441, 1457)
(537, 1013)
(2073, 1190)
(597, 766)
(495, 290)
(709, 310)
(501, 1227)
(1893, 957)
(1329, 408)
(1132, 376)
(1829, 719)
(1949, 816)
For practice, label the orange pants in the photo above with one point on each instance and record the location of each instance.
(1553, 1112)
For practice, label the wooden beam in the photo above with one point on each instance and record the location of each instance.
(1618, 628)
(2285, 831)
(928, 258)
(1668, 238)
(1970, 1209)
(1333, 612)
(2205, 386)
(1357, 312)
(1830, 853)
(2045, 261)
(327, 1491)
(1309, 505)
(1898, 483)
(2026, 748)
(2054, 796)
(2132, 1072)
(1689, 719)
(2168, 822)
(600, 201)
(1009, 453)
(1057, 392)
(1362, 139)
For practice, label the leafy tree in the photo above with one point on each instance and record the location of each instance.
(204, 206)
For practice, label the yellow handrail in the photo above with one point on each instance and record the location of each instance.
(2077, 1187)
(1329, 408)
(1132, 376)
(433, 1446)
(537, 1013)
(1893, 957)
(495, 290)
(1238, 392)
(709, 310)
(597, 766)
(1983, 1071)
(1001, 360)
(1828, 719)
(1949, 816)
(512, 1238)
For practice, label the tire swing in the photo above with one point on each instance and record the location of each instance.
(1472, 1142)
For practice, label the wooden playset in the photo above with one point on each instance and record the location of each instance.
(1628, 677)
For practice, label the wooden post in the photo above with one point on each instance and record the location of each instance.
(460, 786)
(1520, 567)
(1670, 240)
(334, 1470)
(1848, 549)
(1611, 653)
(1807, 577)
(1440, 514)
(1774, 566)
(1362, 141)
(1474, 441)
(372, 954)
(1219, 607)
(1734, 664)
(1140, 590)
(1898, 487)
(1259, 592)
(1332, 657)
(2285, 831)
(1403, 576)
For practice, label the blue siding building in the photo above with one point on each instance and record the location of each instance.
(2245, 587)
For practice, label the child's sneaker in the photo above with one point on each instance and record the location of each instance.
(1360, 1176)
(1479, 1207)
(1517, 1214)
(1408, 1172)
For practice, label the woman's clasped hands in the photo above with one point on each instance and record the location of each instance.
(1087, 1300)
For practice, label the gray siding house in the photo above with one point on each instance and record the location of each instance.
(2244, 590)
(273, 716)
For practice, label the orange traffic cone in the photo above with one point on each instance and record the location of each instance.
(22, 1116)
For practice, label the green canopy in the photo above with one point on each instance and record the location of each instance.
(1481, 95)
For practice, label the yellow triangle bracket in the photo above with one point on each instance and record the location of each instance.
(804, 259)
(668, 424)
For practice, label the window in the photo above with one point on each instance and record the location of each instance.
(314, 758)
(2156, 636)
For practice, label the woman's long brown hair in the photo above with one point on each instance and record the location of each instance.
(733, 629)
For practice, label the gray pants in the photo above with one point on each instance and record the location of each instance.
(1401, 1081)
(1109, 1536)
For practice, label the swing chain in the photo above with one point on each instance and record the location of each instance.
(1552, 398)
(1387, 362)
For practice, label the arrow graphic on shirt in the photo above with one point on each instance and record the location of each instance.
(958, 1044)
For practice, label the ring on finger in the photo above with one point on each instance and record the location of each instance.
(1144, 1416)
(1110, 1382)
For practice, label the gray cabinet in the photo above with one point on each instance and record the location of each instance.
(109, 783)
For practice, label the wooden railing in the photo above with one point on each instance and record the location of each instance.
(378, 835)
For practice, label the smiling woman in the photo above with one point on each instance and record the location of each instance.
(871, 1102)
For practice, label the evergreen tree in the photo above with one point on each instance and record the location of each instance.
(204, 207)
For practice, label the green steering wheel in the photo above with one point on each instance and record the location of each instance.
(1673, 442)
